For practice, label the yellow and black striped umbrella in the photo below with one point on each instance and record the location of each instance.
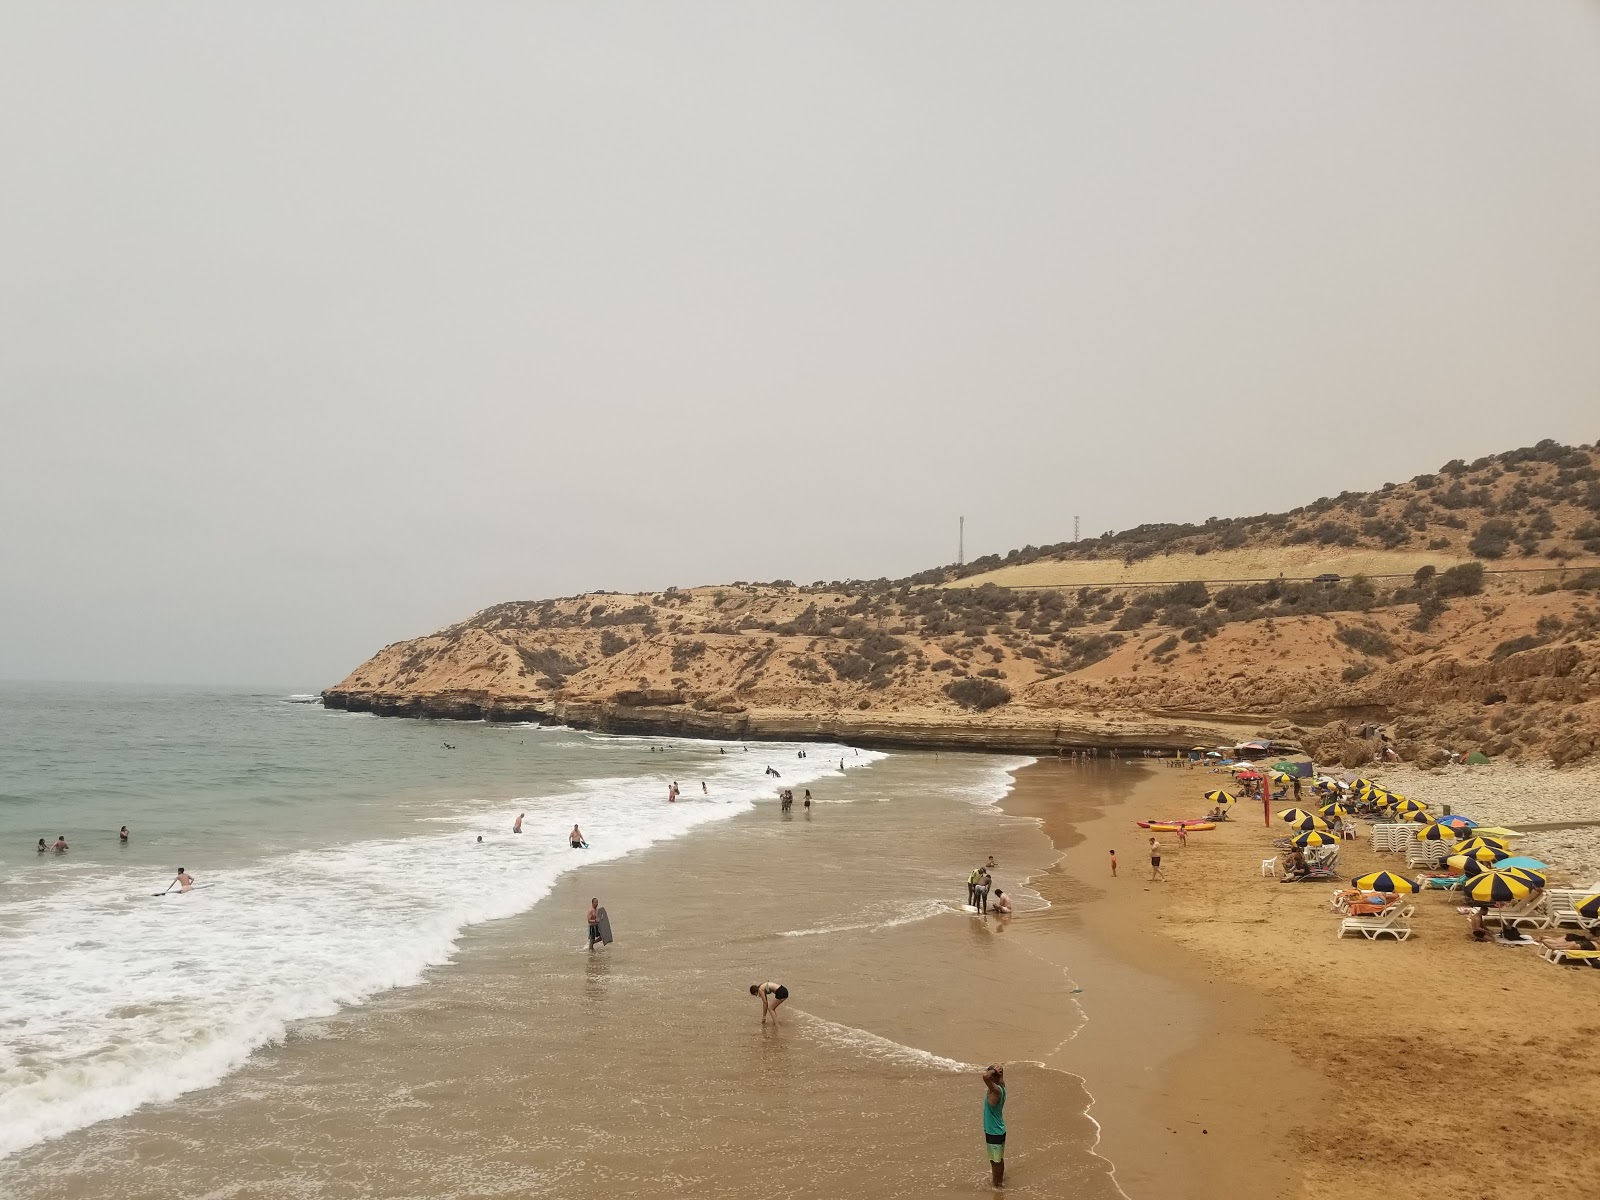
(1336, 809)
(1383, 881)
(1435, 832)
(1309, 823)
(1495, 887)
(1221, 797)
(1589, 907)
(1315, 837)
(1483, 854)
(1479, 842)
(1528, 875)
(1402, 805)
(1295, 815)
(1417, 816)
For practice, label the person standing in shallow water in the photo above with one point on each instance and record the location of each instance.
(994, 1121)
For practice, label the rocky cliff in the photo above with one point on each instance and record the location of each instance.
(1449, 658)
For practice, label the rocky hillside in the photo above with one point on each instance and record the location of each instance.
(1450, 657)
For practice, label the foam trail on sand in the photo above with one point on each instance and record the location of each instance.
(871, 1045)
(920, 911)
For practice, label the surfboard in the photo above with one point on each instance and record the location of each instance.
(971, 908)
(605, 927)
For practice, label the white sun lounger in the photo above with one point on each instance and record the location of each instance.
(1397, 924)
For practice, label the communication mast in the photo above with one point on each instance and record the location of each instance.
(961, 541)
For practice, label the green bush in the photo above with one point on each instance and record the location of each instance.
(1365, 641)
(1493, 538)
(1463, 580)
(1527, 641)
(611, 643)
(979, 695)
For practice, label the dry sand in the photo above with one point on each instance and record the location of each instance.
(1337, 1068)
(1263, 562)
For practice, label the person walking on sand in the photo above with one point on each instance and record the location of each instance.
(516, 826)
(1113, 864)
(1155, 862)
(771, 996)
(594, 921)
(994, 1121)
(1183, 837)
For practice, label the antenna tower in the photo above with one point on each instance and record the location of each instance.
(961, 541)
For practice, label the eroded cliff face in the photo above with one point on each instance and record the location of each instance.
(1508, 672)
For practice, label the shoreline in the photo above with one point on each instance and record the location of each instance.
(1044, 735)
(1169, 1051)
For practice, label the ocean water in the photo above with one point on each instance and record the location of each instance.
(337, 853)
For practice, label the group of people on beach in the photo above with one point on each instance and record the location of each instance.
(979, 885)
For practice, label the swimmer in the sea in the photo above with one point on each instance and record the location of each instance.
(61, 843)
(184, 880)
(575, 838)
(771, 996)
(43, 849)
(122, 834)
(516, 826)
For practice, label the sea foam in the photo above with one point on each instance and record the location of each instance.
(115, 999)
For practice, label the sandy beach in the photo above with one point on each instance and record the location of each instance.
(1194, 1039)
(1330, 1068)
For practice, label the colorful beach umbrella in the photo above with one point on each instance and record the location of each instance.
(1529, 876)
(1483, 854)
(1521, 860)
(1457, 821)
(1334, 809)
(1479, 841)
(1295, 815)
(1434, 831)
(1493, 887)
(1417, 816)
(1589, 907)
(1384, 881)
(1221, 797)
(1315, 837)
(1310, 823)
(1406, 807)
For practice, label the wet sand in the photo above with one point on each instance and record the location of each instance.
(1192, 1100)
(1144, 1058)
(530, 1066)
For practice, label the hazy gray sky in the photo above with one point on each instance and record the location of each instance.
(325, 324)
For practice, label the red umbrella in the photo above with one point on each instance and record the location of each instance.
(1248, 775)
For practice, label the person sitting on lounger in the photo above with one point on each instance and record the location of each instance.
(1572, 941)
(1296, 867)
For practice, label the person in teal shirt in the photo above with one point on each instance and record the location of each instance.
(994, 1121)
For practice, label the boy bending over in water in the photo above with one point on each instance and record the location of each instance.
(771, 996)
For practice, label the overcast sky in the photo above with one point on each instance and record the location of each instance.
(325, 324)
